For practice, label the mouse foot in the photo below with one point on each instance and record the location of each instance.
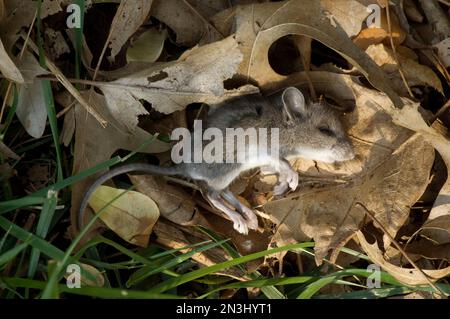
(243, 217)
(250, 217)
(286, 179)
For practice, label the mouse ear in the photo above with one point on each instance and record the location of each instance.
(293, 102)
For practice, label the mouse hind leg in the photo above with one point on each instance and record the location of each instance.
(239, 222)
(251, 219)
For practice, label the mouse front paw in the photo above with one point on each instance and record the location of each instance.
(285, 181)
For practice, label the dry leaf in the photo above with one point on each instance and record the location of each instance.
(99, 279)
(29, 67)
(375, 35)
(271, 21)
(58, 45)
(189, 19)
(131, 216)
(410, 118)
(339, 11)
(31, 108)
(5, 151)
(130, 15)
(148, 46)
(443, 48)
(197, 76)
(406, 276)
(415, 73)
(7, 66)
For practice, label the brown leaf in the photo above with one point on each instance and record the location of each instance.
(130, 15)
(271, 21)
(189, 19)
(129, 214)
(7, 66)
(407, 276)
(375, 35)
(197, 76)
(415, 73)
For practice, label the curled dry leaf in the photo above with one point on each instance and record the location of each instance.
(148, 46)
(271, 21)
(7, 66)
(131, 215)
(175, 204)
(130, 15)
(415, 73)
(406, 276)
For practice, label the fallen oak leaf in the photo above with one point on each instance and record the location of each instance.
(131, 214)
(295, 17)
(196, 77)
(406, 276)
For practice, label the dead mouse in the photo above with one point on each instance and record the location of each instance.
(313, 131)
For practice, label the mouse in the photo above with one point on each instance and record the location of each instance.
(305, 130)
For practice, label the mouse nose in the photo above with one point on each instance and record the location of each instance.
(345, 150)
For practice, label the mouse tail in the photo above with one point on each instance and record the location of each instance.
(116, 171)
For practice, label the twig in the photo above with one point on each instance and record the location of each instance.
(397, 245)
(400, 70)
(69, 87)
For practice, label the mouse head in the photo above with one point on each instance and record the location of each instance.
(313, 131)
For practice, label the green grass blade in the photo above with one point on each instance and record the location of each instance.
(12, 253)
(314, 287)
(45, 219)
(260, 283)
(38, 198)
(374, 293)
(147, 271)
(97, 292)
(34, 241)
(48, 97)
(174, 282)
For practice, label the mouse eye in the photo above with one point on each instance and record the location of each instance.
(326, 131)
